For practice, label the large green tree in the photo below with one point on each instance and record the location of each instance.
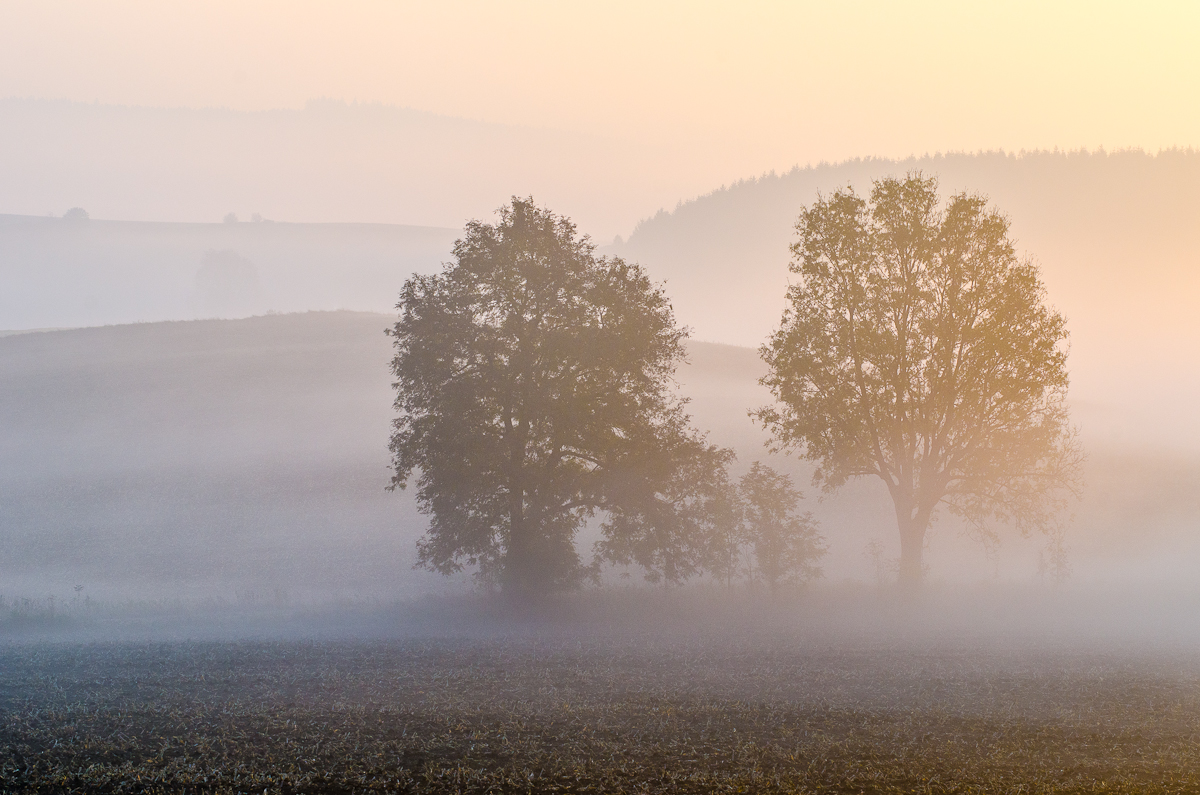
(917, 348)
(534, 389)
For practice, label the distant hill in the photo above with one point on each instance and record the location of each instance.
(328, 161)
(224, 457)
(1117, 236)
(66, 273)
(248, 459)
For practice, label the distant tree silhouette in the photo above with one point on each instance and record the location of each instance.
(785, 544)
(75, 214)
(533, 387)
(752, 531)
(723, 551)
(917, 348)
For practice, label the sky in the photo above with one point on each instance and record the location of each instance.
(739, 88)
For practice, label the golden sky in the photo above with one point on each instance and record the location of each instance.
(746, 86)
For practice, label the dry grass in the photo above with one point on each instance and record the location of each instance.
(568, 716)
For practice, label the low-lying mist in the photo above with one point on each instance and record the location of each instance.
(164, 470)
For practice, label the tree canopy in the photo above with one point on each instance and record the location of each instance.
(918, 348)
(533, 385)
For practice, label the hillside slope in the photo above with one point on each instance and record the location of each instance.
(61, 273)
(229, 456)
(243, 458)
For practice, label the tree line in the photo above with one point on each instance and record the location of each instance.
(534, 393)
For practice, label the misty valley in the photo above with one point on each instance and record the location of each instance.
(869, 477)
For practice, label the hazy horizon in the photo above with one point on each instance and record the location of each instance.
(350, 163)
(336, 161)
(433, 115)
(333, 457)
(1113, 233)
(754, 79)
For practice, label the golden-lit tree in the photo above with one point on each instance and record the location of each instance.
(918, 348)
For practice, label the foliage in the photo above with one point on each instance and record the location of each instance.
(533, 387)
(917, 348)
(786, 545)
(755, 533)
(670, 511)
(23, 613)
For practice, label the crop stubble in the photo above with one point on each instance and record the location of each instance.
(557, 715)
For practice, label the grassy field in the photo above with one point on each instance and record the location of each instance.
(638, 714)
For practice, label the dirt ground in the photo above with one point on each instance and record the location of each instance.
(636, 714)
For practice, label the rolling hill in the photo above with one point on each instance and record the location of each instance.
(246, 459)
(68, 273)
(1117, 236)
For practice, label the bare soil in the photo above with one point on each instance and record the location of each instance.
(637, 715)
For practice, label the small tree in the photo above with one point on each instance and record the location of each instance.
(786, 545)
(724, 546)
(917, 348)
(533, 385)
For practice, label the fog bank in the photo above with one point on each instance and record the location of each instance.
(246, 460)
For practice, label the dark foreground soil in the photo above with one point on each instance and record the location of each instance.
(634, 716)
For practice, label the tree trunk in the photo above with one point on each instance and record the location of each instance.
(912, 547)
(913, 520)
(518, 556)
